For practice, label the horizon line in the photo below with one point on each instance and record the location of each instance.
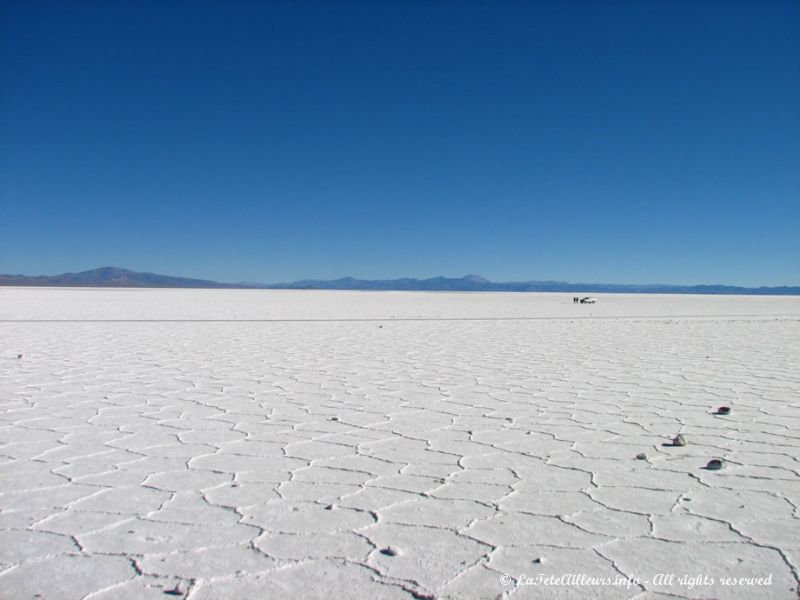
(470, 278)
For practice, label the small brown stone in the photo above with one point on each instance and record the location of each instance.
(175, 591)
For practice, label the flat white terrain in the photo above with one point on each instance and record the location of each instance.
(282, 444)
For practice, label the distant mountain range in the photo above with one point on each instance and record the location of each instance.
(110, 277)
(116, 277)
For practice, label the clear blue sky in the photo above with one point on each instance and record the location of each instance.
(628, 142)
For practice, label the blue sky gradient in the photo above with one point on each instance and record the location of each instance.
(625, 142)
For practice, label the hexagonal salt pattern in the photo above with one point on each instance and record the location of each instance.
(463, 459)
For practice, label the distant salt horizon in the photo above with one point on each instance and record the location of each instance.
(120, 277)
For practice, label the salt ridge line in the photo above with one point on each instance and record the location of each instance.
(645, 318)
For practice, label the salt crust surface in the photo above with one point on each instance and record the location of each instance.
(267, 444)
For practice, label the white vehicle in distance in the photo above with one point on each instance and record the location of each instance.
(588, 300)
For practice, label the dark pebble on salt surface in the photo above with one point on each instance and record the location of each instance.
(389, 551)
(538, 561)
(330, 507)
(641, 456)
(19, 355)
(714, 464)
(724, 410)
(679, 440)
(176, 591)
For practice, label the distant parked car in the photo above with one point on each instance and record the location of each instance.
(588, 300)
